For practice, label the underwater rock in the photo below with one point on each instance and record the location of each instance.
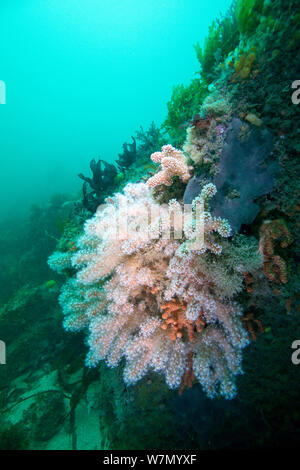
(193, 189)
(244, 175)
(46, 415)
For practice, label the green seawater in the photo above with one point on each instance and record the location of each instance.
(81, 77)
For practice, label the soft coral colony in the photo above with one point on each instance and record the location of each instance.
(160, 302)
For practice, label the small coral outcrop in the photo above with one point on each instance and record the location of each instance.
(206, 132)
(173, 163)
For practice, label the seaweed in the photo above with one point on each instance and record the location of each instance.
(183, 105)
(223, 37)
(100, 183)
(149, 140)
(129, 155)
(248, 14)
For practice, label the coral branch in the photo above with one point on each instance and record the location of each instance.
(173, 162)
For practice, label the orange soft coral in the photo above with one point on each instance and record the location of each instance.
(175, 320)
(274, 265)
(249, 281)
(253, 325)
(188, 376)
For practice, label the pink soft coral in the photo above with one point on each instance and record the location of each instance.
(151, 300)
(173, 162)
